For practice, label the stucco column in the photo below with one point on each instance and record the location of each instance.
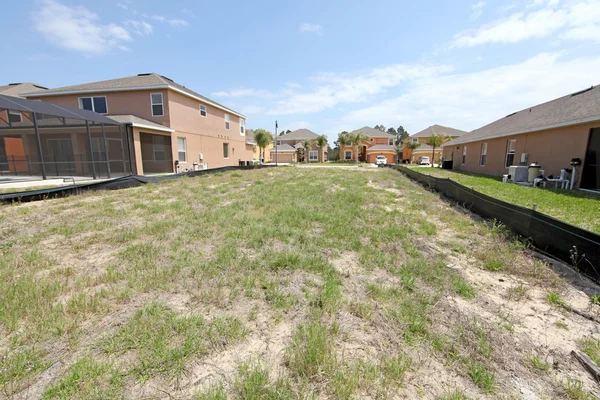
(137, 151)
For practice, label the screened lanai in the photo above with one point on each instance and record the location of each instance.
(45, 140)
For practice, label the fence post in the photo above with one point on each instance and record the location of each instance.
(87, 126)
(105, 150)
(535, 207)
(39, 145)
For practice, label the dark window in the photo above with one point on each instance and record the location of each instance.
(226, 150)
(510, 153)
(86, 103)
(100, 105)
(483, 154)
(14, 116)
(157, 104)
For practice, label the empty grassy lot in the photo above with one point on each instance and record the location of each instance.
(285, 283)
(574, 207)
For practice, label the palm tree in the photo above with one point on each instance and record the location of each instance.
(262, 139)
(307, 144)
(436, 140)
(321, 142)
(412, 146)
(398, 150)
(356, 139)
(342, 139)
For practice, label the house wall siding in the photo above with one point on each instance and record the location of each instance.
(553, 149)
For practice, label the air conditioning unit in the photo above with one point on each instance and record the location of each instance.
(518, 173)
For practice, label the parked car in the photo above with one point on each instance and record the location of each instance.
(381, 160)
(424, 160)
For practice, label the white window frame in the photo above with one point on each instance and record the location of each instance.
(184, 150)
(415, 140)
(162, 104)
(346, 154)
(464, 155)
(13, 112)
(154, 150)
(483, 161)
(203, 109)
(390, 141)
(227, 121)
(278, 142)
(508, 151)
(310, 155)
(242, 127)
(228, 150)
(93, 106)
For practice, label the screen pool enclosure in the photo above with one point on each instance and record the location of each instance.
(45, 140)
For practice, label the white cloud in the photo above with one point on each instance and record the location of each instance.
(141, 28)
(312, 28)
(241, 93)
(180, 23)
(123, 6)
(468, 101)
(77, 28)
(294, 125)
(477, 10)
(333, 89)
(575, 20)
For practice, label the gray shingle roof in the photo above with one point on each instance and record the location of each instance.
(16, 89)
(141, 81)
(439, 129)
(284, 148)
(381, 147)
(300, 134)
(372, 132)
(135, 120)
(572, 109)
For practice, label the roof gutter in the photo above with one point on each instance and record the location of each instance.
(136, 125)
(65, 93)
(530, 130)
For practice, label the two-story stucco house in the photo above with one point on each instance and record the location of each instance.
(171, 127)
(425, 149)
(379, 144)
(289, 148)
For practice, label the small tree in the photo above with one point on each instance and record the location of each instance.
(436, 140)
(322, 142)
(307, 144)
(412, 146)
(398, 150)
(356, 139)
(342, 139)
(262, 138)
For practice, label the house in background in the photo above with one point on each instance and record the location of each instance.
(425, 149)
(256, 150)
(290, 148)
(379, 144)
(171, 127)
(551, 134)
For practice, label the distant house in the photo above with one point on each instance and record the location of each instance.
(550, 134)
(379, 144)
(425, 149)
(290, 148)
(255, 149)
(171, 127)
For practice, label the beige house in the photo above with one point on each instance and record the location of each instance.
(171, 127)
(289, 148)
(379, 144)
(551, 134)
(256, 150)
(425, 149)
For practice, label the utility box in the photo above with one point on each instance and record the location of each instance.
(518, 173)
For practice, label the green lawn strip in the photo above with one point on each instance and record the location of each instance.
(574, 207)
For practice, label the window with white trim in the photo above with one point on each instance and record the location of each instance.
(181, 149)
(391, 141)
(157, 104)
(227, 123)
(483, 154)
(14, 116)
(464, 154)
(242, 126)
(415, 140)
(278, 142)
(202, 110)
(348, 155)
(225, 150)
(158, 145)
(510, 152)
(313, 155)
(348, 142)
(96, 104)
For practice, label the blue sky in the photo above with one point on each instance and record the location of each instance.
(325, 65)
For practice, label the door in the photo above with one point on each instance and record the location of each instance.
(591, 169)
(61, 157)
